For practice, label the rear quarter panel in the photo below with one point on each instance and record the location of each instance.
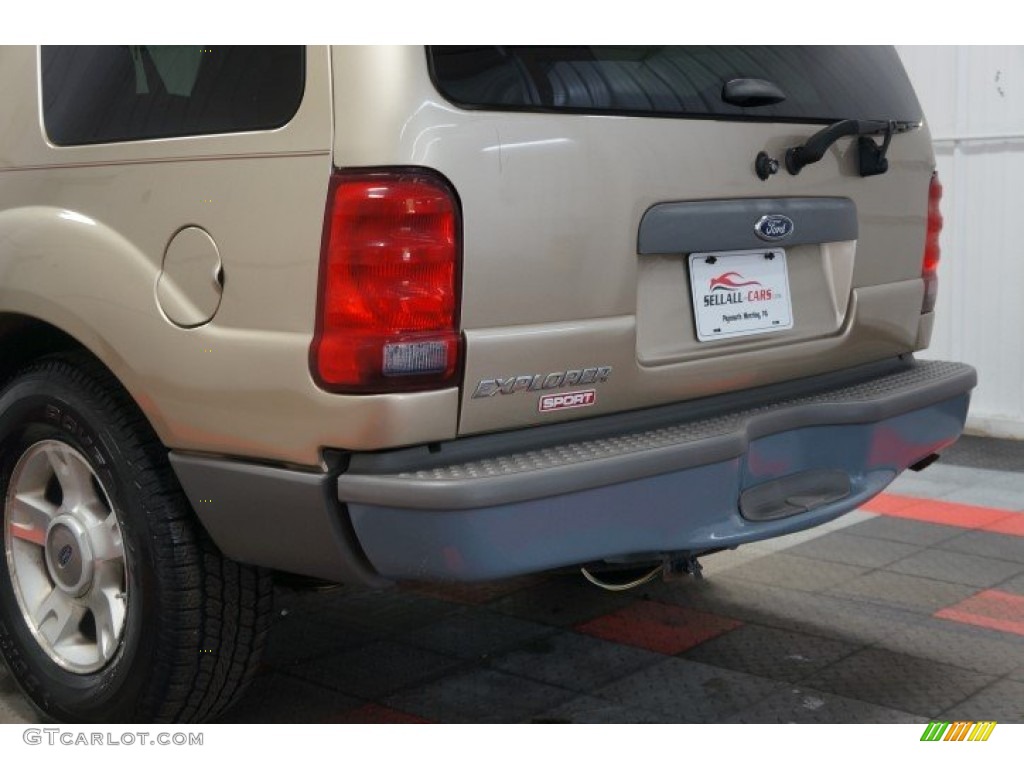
(82, 236)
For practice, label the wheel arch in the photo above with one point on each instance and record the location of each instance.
(24, 339)
(71, 282)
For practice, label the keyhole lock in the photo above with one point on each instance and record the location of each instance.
(765, 166)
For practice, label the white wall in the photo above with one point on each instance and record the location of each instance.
(973, 99)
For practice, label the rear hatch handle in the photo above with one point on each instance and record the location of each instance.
(872, 156)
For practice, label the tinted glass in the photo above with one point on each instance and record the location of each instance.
(94, 94)
(821, 84)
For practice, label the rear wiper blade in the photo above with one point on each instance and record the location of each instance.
(872, 156)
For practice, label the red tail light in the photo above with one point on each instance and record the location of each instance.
(387, 318)
(929, 269)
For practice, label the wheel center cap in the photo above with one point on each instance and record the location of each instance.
(68, 555)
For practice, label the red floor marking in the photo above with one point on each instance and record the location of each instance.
(661, 628)
(992, 608)
(890, 503)
(375, 713)
(1013, 525)
(947, 513)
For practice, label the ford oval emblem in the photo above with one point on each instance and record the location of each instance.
(774, 226)
(64, 556)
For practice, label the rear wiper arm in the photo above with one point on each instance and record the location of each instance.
(872, 156)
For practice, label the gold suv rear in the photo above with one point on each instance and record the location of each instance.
(435, 313)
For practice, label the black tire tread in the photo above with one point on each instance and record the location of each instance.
(221, 608)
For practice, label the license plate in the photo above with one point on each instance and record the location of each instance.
(740, 293)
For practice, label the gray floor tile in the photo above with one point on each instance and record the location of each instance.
(807, 705)
(294, 639)
(1003, 701)
(833, 616)
(968, 477)
(381, 611)
(14, 707)
(987, 496)
(689, 692)
(854, 550)
(781, 543)
(987, 544)
(16, 713)
(906, 531)
(852, 621)
(1014, 585)
(959, 645)
(769, 652)
(925, 485)
(377, 669)
(799, 573)
(957, 567)
(588, 709)
(722, 562)
(577, 662)
(563, 601)
(476, 634)
(986, 452)
(908, 592)
(737, 599)
(898, 681)
(1003, 479)
(481, 696)
(278, 698)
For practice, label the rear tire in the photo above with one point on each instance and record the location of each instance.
(115, 606)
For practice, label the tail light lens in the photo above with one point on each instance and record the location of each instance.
(930, 266)
(388, 309)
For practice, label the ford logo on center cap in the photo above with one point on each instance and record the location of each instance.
(774, 226)
(64, 556)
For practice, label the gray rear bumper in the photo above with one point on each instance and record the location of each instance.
(704, 475)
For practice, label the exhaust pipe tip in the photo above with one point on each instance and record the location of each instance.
(924, 463)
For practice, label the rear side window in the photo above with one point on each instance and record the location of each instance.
(94, 94)
(820, 84)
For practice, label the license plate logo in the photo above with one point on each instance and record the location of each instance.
(567, 400)
(740, 293)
